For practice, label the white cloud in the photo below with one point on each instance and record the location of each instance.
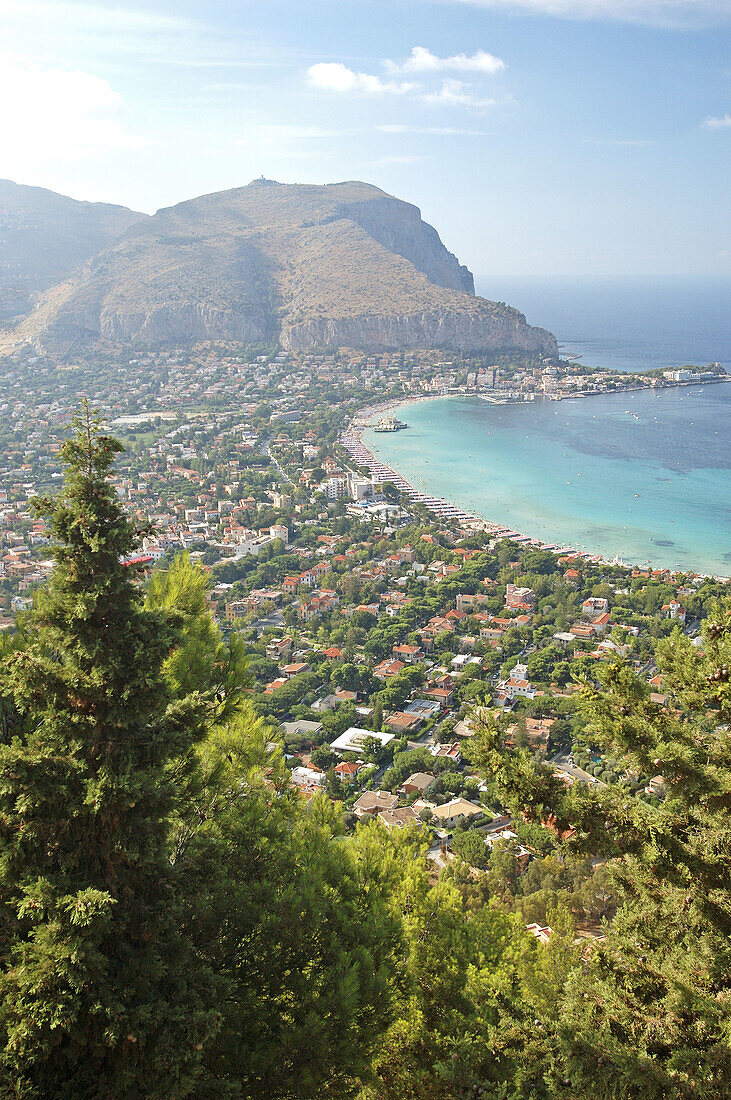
(678, 13)
(57, 114)
(422, 60)
(334, 76)
(455, 93)
(718, 123)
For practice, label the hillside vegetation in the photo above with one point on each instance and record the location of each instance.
(338, 265)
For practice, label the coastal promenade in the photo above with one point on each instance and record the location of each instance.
(639, 516)
(351, 440)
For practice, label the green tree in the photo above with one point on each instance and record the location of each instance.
(295, 925)
(202, 661)
(649, 1017)
(102, 995)
(472, 848)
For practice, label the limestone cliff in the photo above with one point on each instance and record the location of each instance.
(339, 265)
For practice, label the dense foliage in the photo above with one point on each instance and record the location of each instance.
(177, 921)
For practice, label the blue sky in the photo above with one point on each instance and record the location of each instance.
(566, 137)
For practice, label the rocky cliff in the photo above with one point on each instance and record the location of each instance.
(340, 265)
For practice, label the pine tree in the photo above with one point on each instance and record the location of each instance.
(649, 1016)
(100, 993)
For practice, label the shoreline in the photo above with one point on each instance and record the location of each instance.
(351, 439)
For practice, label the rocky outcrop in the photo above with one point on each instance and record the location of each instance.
(448, 329)
(182, 322)
(340, 265)
(399, 227)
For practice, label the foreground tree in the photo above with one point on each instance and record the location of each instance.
(101, 993)
(649, 1015)
(297, 929)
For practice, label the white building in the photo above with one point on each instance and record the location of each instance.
(354, 738)
(310, 779)
(364, 488)
(517, 684)
(336, 487)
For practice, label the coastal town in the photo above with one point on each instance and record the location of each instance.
(381, 626)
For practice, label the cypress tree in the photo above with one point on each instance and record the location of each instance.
(100, 993)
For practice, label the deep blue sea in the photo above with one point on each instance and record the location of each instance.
(629, 323)
(643, 475)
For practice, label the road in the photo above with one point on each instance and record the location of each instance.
(266, 451)
(562, 761)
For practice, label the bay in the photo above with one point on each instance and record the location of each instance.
(645, 476)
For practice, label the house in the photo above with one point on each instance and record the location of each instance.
(447, 752)
(583, 630)
(302, 728)
(354, 738)
(521, 599)
(310, 779)
(278, 648)
(425, 708)
(538, 731)
(274, 684)
(408, 653)
(371, 803)
(389, 667)
(468, 602)
(449, 814)
(458, 663)
(236, 609)
(295, 669)
(541, 932)
(400, 817)
(324, 703)
(402, 723)
(416, 784)
(347, 771)
(595, 605)
(522, 855)
(517, 684)
(442, 695)
(673, 610)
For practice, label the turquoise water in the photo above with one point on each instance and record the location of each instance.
(646, 475)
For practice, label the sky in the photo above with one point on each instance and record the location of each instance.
(561, 138)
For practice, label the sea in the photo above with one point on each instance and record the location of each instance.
(642, 476)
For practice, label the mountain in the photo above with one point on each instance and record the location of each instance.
(45, 236)
(338, 265)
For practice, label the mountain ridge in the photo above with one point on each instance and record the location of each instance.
(341, 264)
(44, 236)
